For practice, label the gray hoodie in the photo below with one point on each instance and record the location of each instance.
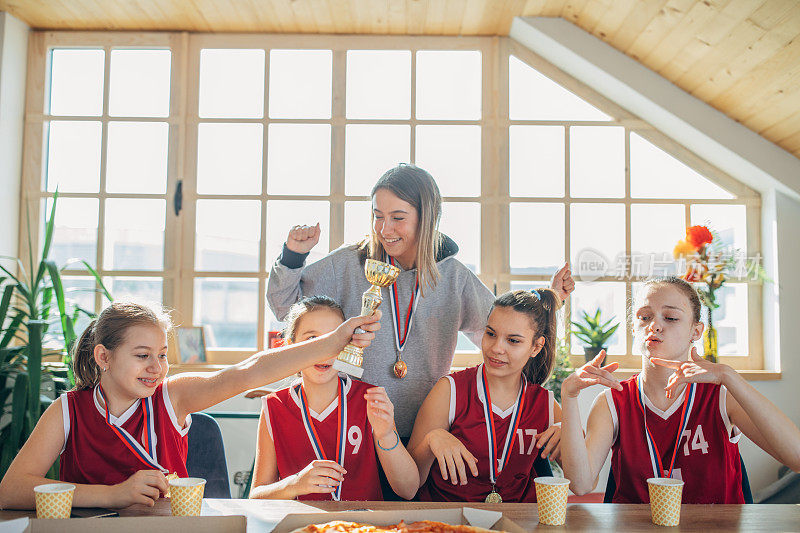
(460, 302)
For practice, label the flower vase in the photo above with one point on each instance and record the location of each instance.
(710, 347)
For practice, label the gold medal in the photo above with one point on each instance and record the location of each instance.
(493, 497)
(400, 369)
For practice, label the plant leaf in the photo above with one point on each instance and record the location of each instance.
(34, 367)
(67, 326)
(99, 280)
(19, 401)
(48, 239)
(11, 330)
(8, 292)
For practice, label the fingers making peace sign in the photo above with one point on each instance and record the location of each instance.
(698, 370)
(591, 374)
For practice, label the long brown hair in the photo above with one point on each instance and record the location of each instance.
(417, 187)
(109, 329)
(540, 305)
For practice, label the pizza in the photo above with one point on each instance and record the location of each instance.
(173, 475)
(422, 526)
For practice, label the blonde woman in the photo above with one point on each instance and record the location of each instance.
(434, 297)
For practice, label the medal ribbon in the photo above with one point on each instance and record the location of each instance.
(496, 466)
(400, 337)
(655, 456)
(146, 453)
(313, 437)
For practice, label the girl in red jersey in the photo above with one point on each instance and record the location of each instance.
(124, 425)
(493, 419)
(318, 438)
(682, 417)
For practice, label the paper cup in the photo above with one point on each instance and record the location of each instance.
(54, 500)
(551, 498)
(186, 495)
(665, 500)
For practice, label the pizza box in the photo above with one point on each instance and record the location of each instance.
(456, 516)
(138, 524)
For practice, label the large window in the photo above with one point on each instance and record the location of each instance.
(182, 161)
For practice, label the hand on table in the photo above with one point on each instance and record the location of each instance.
(453, 457)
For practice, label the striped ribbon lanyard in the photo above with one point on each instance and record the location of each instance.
(401, 332)
(146, 453)
(655, 456)
(496, 465)
(313, 436)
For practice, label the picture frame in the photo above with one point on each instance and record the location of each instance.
(191, 345)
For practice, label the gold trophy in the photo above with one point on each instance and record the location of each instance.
(380, 274)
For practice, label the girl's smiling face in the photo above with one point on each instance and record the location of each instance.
(509, 341)
(138, 365)
(663, 323)
(396, 223)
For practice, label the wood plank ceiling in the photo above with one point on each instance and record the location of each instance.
(740, 56)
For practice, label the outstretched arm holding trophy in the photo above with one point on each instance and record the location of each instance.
(379, 274)
(433, 298)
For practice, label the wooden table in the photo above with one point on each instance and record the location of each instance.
(580, 516)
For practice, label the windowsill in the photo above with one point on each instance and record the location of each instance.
(622, 373)
(749, 375)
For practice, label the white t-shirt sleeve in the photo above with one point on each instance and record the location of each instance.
(182, 429)
(733, 432)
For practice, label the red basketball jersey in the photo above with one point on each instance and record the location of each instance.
(294, 451)
(94, 454)
(467, 424)
(707, 459)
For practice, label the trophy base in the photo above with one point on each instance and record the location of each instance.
(347, 368)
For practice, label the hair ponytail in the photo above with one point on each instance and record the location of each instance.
(87, 374)
(540, 305)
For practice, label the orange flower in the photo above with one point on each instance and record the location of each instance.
(695, 272)
(698, 236)
(683, 249)
(714, 279)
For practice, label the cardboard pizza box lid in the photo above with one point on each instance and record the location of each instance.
(457, 516)
(139, 524)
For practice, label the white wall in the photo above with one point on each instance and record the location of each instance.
(13, 68)
(733, 148)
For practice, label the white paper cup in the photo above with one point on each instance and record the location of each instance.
(54, 500)
(186, 495)
(551, 499)
(665, 500)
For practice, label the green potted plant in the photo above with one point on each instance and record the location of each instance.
(594, 332)
(36, 320)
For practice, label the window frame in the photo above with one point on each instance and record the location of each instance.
(179, 248)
